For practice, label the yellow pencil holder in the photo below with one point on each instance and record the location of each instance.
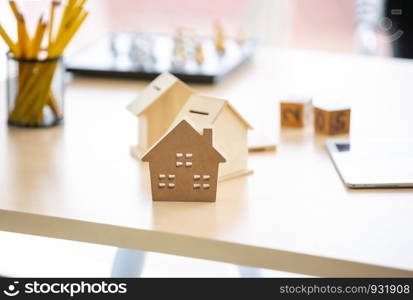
(35, 91)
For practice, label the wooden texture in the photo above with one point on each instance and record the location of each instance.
(332, 120)
(262, 148)
(230, 131)
(167, 100)
(184, 165)
(295, 112)
(157, 107)
(79, 182)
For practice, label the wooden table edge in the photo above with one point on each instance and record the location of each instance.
(189, 246)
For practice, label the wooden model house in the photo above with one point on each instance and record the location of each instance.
(167, 100)
(157, 107)
(230, 131)
(184, 164)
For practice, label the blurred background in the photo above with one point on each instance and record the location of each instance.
(370, 27)
(366, 27)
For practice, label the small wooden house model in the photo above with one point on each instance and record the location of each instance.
(230, 131)
(167, 101)
(184, 165)
(157, 107)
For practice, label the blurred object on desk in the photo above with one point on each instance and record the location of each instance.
(384, 27)
(372, 30)
(399, 22)
(144, 56)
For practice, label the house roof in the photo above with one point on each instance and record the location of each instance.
(209, 108)
(188, 125)
(159, 86)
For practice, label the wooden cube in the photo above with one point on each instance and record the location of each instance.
(295, 112)
(332, 119)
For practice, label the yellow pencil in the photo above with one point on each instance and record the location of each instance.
(81, 3)
(9, 42)
(74, 14)
(35, 79)
(22, 39)
(66, 36)
(75, 27)
(14, 8)
(37, 40)
(66, 14)
(31, 43)
(54, 4)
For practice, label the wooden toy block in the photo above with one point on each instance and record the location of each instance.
(332, 119)
(184, 165)
(295, 112)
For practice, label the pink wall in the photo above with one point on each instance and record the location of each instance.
(323, 24)
(314, 24)
(164, 15)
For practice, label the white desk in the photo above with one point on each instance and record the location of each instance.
(78, 182)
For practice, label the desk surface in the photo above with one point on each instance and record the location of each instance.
(78, 182)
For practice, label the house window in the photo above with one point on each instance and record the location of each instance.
(188, 162)
(199, 181)
(161, 184)
(180, 160)
(179, 157)
(171, 181)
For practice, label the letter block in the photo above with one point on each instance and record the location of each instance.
(332, 119)
(295, 112)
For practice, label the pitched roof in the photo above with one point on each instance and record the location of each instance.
(209, 108)
(186, 124)
(153, 91)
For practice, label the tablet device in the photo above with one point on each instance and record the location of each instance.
(373, 164)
